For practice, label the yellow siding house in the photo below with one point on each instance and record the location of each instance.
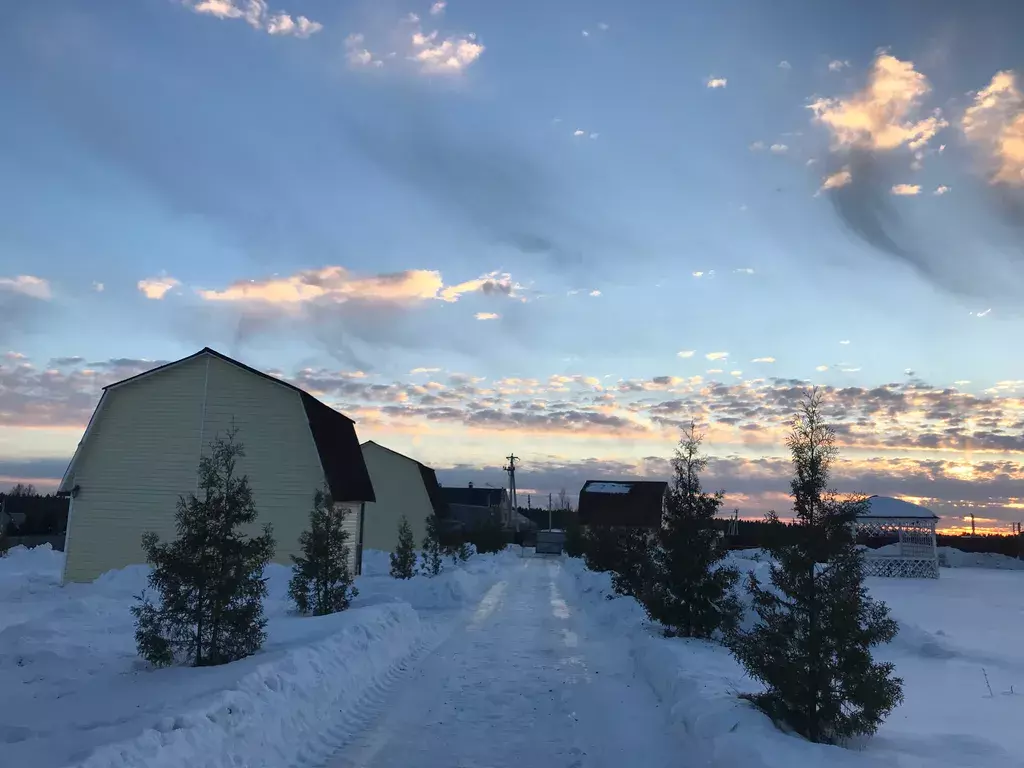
(402, 486)
(141, 451)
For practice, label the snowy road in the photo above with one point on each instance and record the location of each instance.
(524, 683)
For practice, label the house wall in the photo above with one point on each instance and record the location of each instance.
(399, 488)
(143, 452)
(140, 453)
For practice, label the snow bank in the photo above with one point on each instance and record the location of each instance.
(74, 692)
(953, 631)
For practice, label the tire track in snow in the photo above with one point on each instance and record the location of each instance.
(361, 728)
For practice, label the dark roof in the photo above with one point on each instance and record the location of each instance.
(437, 501)
(473, 497)
(333, 432)
(639, 503)
(340, 454)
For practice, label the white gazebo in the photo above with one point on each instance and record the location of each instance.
(913, 554)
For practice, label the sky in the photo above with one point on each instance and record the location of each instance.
(559, 230)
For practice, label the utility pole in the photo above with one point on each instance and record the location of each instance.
(549, 511)
(511, 469)
(972, 524)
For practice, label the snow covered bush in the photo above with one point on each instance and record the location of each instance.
(403, 559)
(433, 556)
(210, 579)
(816, 625)
(321, 581)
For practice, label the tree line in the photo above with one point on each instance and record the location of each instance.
(813, 624)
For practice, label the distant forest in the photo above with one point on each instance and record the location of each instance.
(754, 534)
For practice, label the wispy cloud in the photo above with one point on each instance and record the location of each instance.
(763, 360)
(438, 8)
(717, 82)
(357, 54)
(779, 149)
(258, 15)
(883, 116)
(941, 190)
(686, 353)
(487, 315)
(716, 355)
(906, 189)
(157, 287)
(836, 65)
(98, 287)
(785, 65)
(27, 285)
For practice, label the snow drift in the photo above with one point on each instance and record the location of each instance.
(73, 691)
(954, 632)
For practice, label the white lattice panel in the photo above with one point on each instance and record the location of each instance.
(901, 567)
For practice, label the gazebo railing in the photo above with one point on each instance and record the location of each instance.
(915, 554)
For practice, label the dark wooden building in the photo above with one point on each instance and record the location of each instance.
(627, 503)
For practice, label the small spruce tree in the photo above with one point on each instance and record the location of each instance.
(322, 579)
(433, 555)
(210, 579)
(692, 594)
(816, 624)
(403, 559)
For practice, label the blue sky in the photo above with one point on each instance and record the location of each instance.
(344, 189)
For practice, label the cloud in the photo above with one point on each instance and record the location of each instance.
(906, 189)
(763, 360)
(579, 132)
(357, 54)
(416, 371)
(27, 285)
(602, 26)
(487, 316)
(337, 284)
(836, 65)
(757, 146)
(595, 293)
(717, 82)
(716, 355)
(258, 15)
(785, 65)
(941, 190)
(840, 178)
(883, 115)
(845, 341)
(157, 287)
(449, 56)
(686, 353)
(995, 122)
(438, 8)
(98, 287)
(779, 149)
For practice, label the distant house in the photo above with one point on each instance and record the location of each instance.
(403, 486)
(630, 503)
(473, 506)
(142, 446)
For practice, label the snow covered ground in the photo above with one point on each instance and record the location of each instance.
(502, 662)
(954, 631)
(73, 692)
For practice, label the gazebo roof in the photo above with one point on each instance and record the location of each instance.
(888, 507)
